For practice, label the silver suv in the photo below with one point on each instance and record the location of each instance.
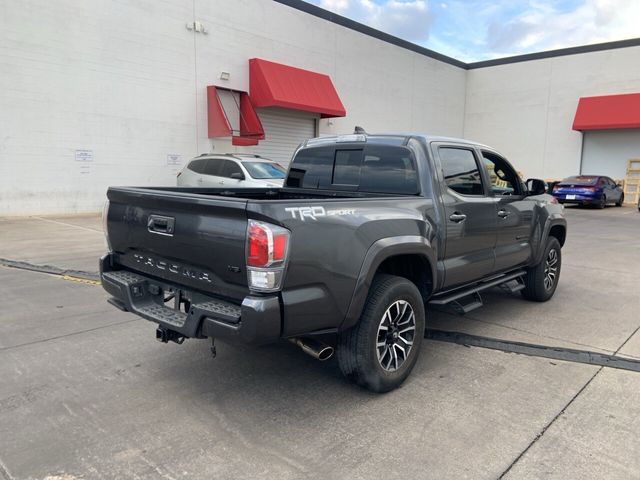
(231, 170)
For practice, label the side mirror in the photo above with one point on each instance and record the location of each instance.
(535, 186)
(237, 176)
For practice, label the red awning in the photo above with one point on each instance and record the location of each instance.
(608, 112)
(218, 124)
(276, 85)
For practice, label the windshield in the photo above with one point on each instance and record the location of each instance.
(263, 170)
(581, 180)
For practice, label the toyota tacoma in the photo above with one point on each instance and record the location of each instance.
(367, 232)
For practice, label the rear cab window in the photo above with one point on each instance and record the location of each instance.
(371, 168)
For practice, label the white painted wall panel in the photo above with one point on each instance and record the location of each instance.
(606, 152)
(526, 109)
(115, 78)
(127, 81)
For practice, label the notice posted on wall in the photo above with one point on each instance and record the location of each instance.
(84, 161)
(174, 162)
(173, 159)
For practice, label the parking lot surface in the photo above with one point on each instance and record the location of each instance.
(87, 392)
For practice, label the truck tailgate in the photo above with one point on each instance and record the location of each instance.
(189, 239)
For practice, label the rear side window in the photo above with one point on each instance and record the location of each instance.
(197, 166)
(372, 168)
(214, 166)
(461, 172)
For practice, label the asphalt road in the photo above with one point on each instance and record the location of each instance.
(86, 391)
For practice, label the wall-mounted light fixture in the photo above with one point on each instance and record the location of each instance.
(224, 75)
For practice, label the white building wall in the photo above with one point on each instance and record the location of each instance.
(526, 109)
(115, 78)
(126, 81)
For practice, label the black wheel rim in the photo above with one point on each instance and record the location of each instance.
(396, 333)
(551, 269)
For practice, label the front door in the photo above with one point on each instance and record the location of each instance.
(470, 216)
(514, 212)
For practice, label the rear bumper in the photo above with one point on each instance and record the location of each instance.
(256, 321)
(577, 198)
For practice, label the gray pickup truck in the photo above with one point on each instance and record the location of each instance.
(366, 233)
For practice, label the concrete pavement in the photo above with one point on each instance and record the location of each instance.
(86, 392)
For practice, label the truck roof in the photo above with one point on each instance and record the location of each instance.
(400, 138)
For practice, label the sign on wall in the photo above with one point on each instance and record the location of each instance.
(84, 160)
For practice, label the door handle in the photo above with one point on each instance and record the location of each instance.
(457, 217)
(503, 213)
(161, 225)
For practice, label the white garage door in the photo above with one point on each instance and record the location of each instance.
(284, 130)
(606, 152)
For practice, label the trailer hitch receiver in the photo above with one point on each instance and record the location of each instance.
(165, 335)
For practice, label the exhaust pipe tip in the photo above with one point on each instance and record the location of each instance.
(318, 350)
(325, 353)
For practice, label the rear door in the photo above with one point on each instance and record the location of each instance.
(212, 173)
(470, 215)
(514, 212)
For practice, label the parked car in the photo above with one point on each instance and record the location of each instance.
(368, 231)
(231, 170)
(589, 190)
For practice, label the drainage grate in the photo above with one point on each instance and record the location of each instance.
(534, 350)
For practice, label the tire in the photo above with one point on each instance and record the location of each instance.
(603, 202)
(535, 286)
(360, 357)
(621, 201)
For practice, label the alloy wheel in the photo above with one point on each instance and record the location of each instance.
(551, 269)
(396, 333)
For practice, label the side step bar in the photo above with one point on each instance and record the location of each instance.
(467, 299)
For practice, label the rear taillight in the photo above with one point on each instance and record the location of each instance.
(105, 224)
(267, 250)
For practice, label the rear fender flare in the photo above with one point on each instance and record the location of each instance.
(378, 253)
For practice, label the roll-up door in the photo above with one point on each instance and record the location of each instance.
(606, 152)
(284, 130)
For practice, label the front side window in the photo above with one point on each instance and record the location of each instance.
(461, 172)
(265, 170)
(504, 180)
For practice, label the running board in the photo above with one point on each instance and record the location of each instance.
(468, 299)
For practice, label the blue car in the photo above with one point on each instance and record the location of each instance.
(589, 190)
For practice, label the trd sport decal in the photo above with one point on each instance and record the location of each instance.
(313, 213)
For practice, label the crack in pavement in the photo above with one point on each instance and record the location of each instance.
(35, 342)
(50, 269)
(561, 412)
